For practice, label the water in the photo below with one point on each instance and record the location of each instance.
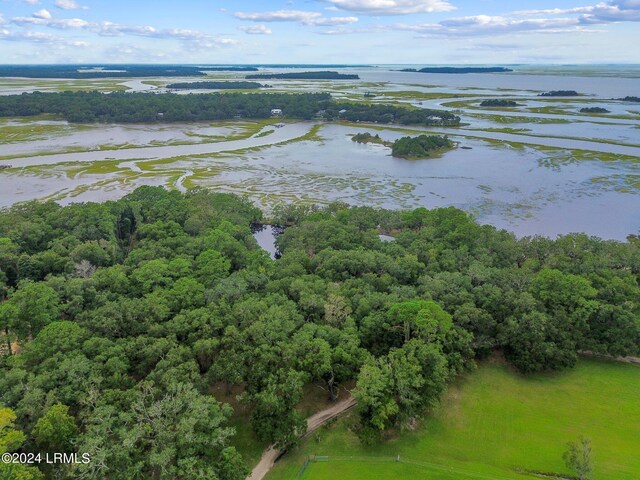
(543, 188)
(286, 133)
(266, 236)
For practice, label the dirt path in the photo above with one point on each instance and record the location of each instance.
(271, 454)
(634, 360)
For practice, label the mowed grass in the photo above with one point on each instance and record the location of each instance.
(495, 424)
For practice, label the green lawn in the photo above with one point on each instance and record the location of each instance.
(493, 422)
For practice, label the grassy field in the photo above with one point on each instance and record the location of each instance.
(493, 424)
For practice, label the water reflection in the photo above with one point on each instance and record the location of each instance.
(266, 236)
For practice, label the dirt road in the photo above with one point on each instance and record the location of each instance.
(314, 422)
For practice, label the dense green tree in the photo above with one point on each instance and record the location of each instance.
(273, 418)
(10, 441)
(179, 433)
(29, 309)
(421, 319)
(56, 430)
(577, 457)
(401, 386)
(376, 398)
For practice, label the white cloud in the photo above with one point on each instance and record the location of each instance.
(128, 52)
(497, 23)
(256, 29)
(553, 11)
(299, 16)
(193, 38)
(31, 2)
(44, 14)
(393, 7)
(552, 21)
(479, 25)
(39, 37)
(69, 5)
(48, 21)
(617, 11)
(614, 11)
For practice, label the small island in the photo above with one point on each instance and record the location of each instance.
(594, 110)
(215, 86)
(230, 69)
(459, 70)
(366, 137)
(325, 75)
(423, 146)
(630, 99)
(412, 148)
(559, 93)
(498, 102)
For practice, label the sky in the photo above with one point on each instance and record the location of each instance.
(419, 32)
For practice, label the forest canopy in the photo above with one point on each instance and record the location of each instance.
(118, 318)
(110, 71)
(325, 75)
(459, 70)
(144, 108)
(226, 85)
(422, 146)
(559, 93)
(498, 102)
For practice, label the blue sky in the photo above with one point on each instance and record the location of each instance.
(320, 31)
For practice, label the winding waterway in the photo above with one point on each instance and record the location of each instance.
(547, 172)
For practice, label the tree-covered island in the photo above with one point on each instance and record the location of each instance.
(559, 93)
(366, 137)
(141, 107)
(458, 70)
(213, 85)
(498, 102)
(594, 110)
(422, 146)
(325, 75)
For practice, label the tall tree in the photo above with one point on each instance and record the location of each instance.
(577, 457)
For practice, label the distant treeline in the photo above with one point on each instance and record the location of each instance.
(458, 70)
(303, 76)
(230, 69)
(122, 107)
(107, 71)
(559, 93)
(360, 112)
(630, 99)
(215, 85)
(498, 102)
(88, 107)
(306, 65)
